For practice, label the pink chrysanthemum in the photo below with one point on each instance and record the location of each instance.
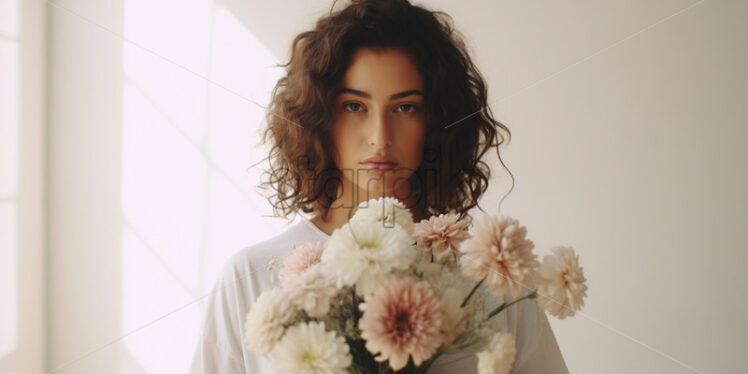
(312, 290)
(561, 283)
(442, 235)
(499, 253)
(301, 259)
(402, 318)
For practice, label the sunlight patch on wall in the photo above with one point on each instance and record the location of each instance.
(163, 202)
(163, 186)
(188, 195)
(153, 297)
(173, 58)
(242, 64)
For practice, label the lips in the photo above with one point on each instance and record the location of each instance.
(379, 159)
(379, 163)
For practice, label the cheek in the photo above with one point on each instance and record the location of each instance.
(343, 141)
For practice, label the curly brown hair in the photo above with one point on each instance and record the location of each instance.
(460, 126)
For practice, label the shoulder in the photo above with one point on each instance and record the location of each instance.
(537, 348)
(243, 277)
(247, 273)
(259, 256)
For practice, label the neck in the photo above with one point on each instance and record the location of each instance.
(337, 215)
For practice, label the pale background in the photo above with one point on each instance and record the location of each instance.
(127, 130)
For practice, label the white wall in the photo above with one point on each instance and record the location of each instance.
(626, 117)
(629, 120)
(22, 186)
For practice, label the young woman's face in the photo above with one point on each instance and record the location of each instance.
(379, 125)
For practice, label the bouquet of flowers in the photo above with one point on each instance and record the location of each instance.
(386, 295)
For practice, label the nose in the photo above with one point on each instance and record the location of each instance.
(380, 134)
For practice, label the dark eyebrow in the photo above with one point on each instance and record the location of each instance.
(368, 96)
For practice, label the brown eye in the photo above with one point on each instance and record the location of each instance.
(356, 105)
(408, 108)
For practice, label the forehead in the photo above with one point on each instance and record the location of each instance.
(382, 72)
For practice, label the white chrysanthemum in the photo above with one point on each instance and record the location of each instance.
(311, 290)
(266, 320)
(561, 283)
(308, 348)
(388, 211)
(499, 356)
(362, 253)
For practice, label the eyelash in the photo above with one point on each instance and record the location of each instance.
(412, 106)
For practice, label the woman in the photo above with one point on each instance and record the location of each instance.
(380, 99)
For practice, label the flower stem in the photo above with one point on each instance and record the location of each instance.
(503, 306)
(356, 311)
(471, 293)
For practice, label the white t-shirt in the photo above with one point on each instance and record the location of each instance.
(245, 276)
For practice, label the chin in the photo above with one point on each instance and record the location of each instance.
(374, 192)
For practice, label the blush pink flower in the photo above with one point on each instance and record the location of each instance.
(402, 318)
(499, 253)
(301, 259)
(561, 283)
(312, 290)
(442, 235)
